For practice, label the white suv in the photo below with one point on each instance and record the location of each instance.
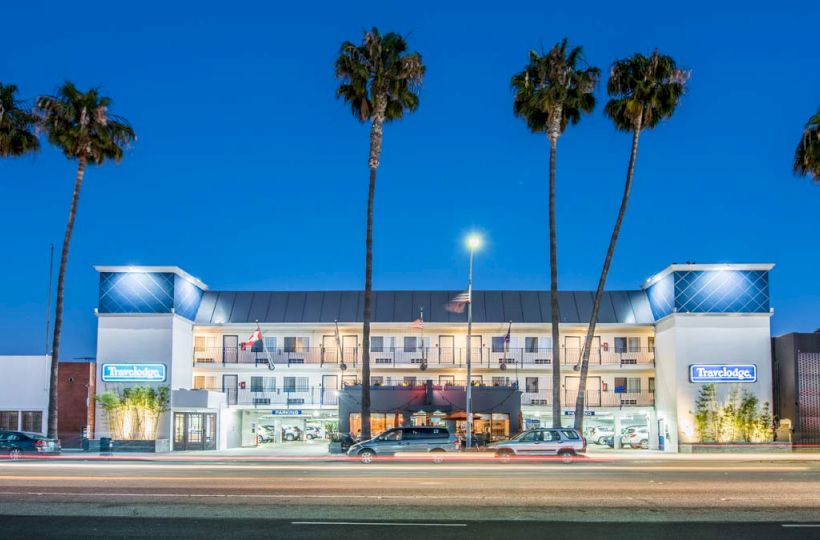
(564, 442)
(636, 437)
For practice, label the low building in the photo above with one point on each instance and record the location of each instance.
(76, 390)
(24, 384)
(797, 384)
(654, 348)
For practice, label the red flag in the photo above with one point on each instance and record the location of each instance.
(255, 337)
(418, 323)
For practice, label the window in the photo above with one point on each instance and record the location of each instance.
(409, 381)
(204, 382)
(570, 434)
(634, 344)
(532, 436)
(628, 384)
(8, 420)
(531, 344)
(620, 345)
(501, 381)
(295, 384)
(478, 379)
(414, 343)
(377, 344)
(297, 344)
(32, 421)
(447, 380)
(263, 384)
(652, 344)
(270, 343)
(393, 435)
(531, 385)
(499, 343)
(376, 381)
(652, 384)
(551, 436)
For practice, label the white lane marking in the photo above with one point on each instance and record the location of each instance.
(378, 524)
(800, 525)
(511, 467)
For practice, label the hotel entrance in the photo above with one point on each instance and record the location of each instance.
(194, 431)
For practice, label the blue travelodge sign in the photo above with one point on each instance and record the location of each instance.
(133, 372)
(717, 373)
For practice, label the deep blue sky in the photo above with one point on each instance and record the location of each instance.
(249, 173)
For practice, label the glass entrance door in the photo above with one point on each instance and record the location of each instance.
(194, 431)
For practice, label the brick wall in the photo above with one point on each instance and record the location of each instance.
(76, 401)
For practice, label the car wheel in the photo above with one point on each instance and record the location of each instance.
(367, 456)
(289, 437)
(15, 454)
(438, 455)
(645, 444)
(504, 455)
(567, 456)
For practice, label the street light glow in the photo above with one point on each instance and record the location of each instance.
(474, 241)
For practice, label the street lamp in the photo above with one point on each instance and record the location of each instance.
(474, 242)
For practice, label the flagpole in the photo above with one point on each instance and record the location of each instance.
(271, 367)
(469, 392)
(421, 318)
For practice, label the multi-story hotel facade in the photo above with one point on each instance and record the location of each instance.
(162, 326)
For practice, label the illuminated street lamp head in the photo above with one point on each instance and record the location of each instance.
(474, 241)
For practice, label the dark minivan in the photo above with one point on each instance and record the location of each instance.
(420, 439)
(16, 444)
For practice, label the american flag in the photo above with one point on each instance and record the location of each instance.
(418, 323)
(458, 303)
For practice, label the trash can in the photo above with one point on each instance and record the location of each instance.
(106, 445)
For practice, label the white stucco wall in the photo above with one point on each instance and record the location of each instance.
(685, 339)
(145, 339)
(24, 382)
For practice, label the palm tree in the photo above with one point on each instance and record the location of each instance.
(807, 154)
(379, 80)
(79, 124)
(643, 91)
(550, 93)
(17, 125)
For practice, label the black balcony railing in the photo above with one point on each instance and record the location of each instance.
(288, 397)
(435, 357)
(593, 398)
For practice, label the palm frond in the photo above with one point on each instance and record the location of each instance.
(17, 125)
(79, 123)
(807, 153)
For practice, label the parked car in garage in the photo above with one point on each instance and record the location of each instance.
(637, 438)
(598, 434)
(565, 443)
(17, 444)
(436, 440)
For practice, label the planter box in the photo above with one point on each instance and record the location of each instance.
(732, 448)
(149, 446)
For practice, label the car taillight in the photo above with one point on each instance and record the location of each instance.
(39, 443)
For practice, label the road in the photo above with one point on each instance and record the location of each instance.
(641, 498)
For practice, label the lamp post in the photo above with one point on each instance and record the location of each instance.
(473, 242)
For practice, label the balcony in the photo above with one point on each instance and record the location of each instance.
(291, 398)
(430, 357)
(594, 398)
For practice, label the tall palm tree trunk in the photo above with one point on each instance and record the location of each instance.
(599, 292)
(376, 132)
(58, 317)
(556, 348)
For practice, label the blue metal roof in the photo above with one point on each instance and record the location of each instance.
(227, 307)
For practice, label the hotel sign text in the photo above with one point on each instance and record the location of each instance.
(715, 373)
(133, 372)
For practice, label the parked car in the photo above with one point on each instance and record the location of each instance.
(16, 444)
(638, 438)
(564, 442)
(609, 441)
(436, 440)
(627, 438)
(600, 433)
(291, 433)
(313, 432)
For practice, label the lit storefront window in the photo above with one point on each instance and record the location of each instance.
(379, 422)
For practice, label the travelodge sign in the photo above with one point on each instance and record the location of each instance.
(133, 372)
(716, 373)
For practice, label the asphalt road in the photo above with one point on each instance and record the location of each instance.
(646, 498)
